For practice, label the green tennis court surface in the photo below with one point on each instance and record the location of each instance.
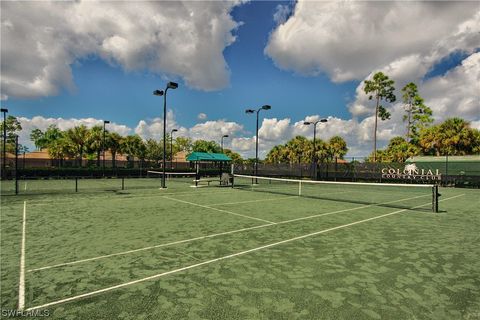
(223, 253)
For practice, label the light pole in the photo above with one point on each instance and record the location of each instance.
(4, 155)
(103, 145)
(171, 147)
(265, 107)
(314, 138)
(221, 144)
(224, 136)
(170, 85)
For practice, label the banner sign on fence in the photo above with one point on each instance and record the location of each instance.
(411, 172)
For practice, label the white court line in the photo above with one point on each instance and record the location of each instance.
(216, 209)
(214, 235)
(21, 282)
(249, 201)
(129, 197)
(156, 276)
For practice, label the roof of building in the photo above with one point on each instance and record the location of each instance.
(180, 156)
(43, 154)
(203, 156)
(472, 158)
(38, 154)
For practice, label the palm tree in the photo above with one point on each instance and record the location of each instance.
(95, 142)
(298, 149)
(275, 155)
(337, 147)
(322, 150)
(114, 143)
(457, 137)
(381, 88)
(77, 136)
(430, 140)
(154, 151)
(60, 148)
(132, 146)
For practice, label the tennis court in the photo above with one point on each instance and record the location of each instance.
(254, 251)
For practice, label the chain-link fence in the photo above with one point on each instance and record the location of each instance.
(35, 176)
(446, 173)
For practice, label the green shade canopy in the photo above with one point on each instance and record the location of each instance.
(203, 156)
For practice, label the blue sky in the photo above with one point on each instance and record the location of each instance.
(106, 91)
(301, 69)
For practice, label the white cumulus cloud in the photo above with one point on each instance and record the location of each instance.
(272, 131)
(202, 116)
(42, 123)
(41, 40)
(349, 39)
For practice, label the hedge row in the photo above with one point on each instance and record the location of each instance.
(94, 172)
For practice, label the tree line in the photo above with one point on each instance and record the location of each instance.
(81, 142)
(300, 150)
(454, 136)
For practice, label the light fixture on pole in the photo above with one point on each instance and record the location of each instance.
(314, 138)
(224, 136)
(4, 153)
(170, 85)
(265, 107)
(103, 145)
(171, 147)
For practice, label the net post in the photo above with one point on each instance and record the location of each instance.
(435, 198)
(123, 183)
(76, 184)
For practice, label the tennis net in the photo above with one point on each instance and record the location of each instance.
(405, 196)
(182, 177)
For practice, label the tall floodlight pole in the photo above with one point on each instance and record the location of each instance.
(171, 147)
(221, 143)
(170, 85)
(265, 107)
(4, 153)
(103, 145)
(314, 138)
